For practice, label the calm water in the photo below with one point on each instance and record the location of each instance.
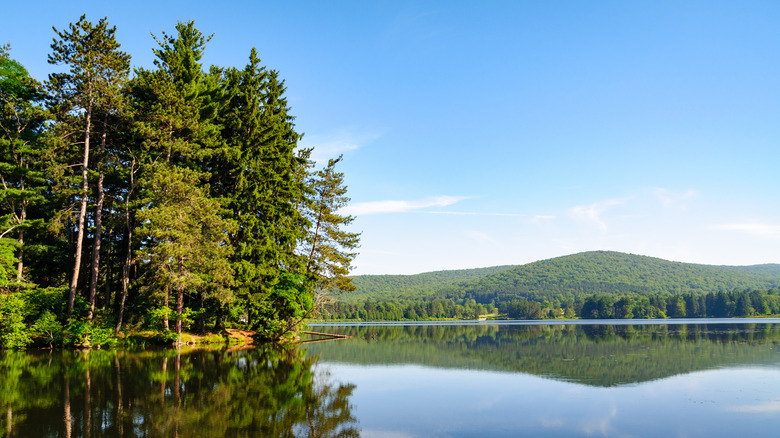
(435, 380)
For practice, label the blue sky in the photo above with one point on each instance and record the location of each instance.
(505, 132)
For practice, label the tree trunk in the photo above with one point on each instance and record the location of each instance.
(166, 324)
(180, 298)
(107, 277)
(96, 247)
(20, 264)
(74, 281)
(128, 252)
(125, 278)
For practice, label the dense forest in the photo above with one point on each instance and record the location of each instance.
(173, 197)
(598, 284)
(389, 287)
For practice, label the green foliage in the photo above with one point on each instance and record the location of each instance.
(13, 331)
(287, 304)
(329, 247)
(79, 333)
(605, 272)
(418, 286)
(49, 328)
(184, 182)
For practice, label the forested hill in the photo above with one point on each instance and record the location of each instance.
(610, 272)
(587, 273)
(389, 287)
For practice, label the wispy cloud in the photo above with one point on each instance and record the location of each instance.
(327, 146)
(753, 228)
(593, 213)
(376, 433)
(399, 206)
(476, 213)
(481, 237)
(768, 407)
(667, 198)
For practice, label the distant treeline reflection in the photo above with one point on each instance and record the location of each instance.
(598, 355)
(169, 393)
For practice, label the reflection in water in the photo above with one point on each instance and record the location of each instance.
(560, 380)
(596, 355)
(264, 392)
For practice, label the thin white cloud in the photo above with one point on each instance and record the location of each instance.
(476, 213)
(668, 198)
(768, 407)
(753, 228)
(593, 213)
(481, 237)
(327, 146)
(376, 433)
(399, 206)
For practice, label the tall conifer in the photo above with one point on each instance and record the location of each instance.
(95, 64)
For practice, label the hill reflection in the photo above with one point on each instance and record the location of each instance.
(597, 355)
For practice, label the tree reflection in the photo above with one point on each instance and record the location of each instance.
(591, 354)
(268, 391)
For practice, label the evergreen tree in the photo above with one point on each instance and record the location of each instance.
(21, 158)
(328, 246)
(260, 177)
(174, 122)
(95, 68)
(185, 247)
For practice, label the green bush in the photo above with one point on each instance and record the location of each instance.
(49, 328)
(84, 334)
(13, 331)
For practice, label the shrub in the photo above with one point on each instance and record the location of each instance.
(13, 331)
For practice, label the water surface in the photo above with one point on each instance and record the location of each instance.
(640, 380)
(428, 380)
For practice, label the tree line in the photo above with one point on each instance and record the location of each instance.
(168, 197)
(720, 304)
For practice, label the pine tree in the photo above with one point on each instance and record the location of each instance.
(185, 247)
(21, 157)
(260, 177)
(172, 109)
(330, 248)
(96, 67)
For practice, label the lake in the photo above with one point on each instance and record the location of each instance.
(700, 378)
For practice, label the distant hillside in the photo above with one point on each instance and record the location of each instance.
(388, 287)
(612, 272)
(564, 278)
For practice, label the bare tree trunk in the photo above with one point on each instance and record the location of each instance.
(128, 252)
(179, 299)
(74, 281)
(96, 247)
(20, 264)
(125, 277)
(166, 324)
(107, 277)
